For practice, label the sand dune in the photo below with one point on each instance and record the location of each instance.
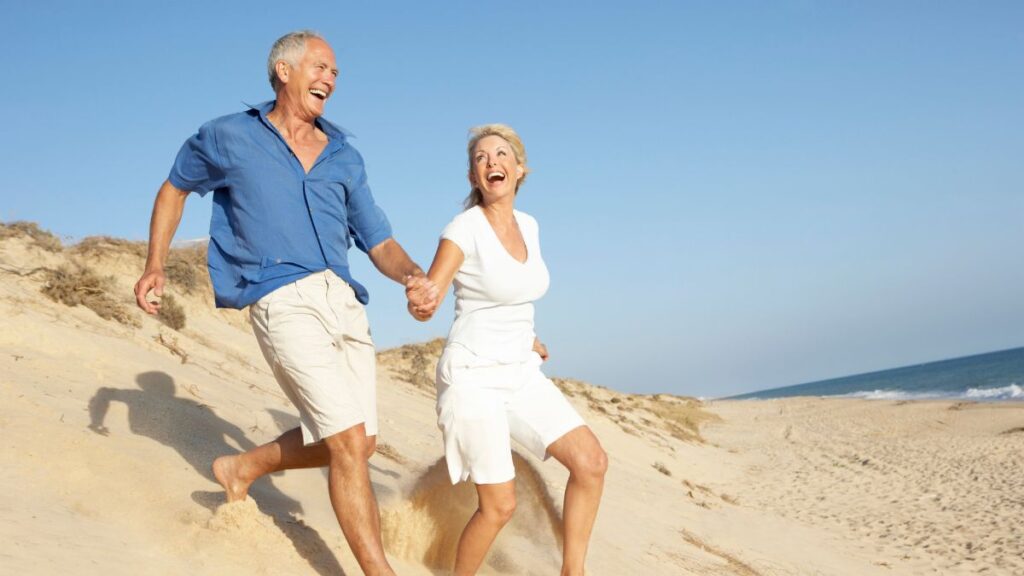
(110, 421)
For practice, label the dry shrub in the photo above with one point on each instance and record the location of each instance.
(104, 245)
(74, 285)
(181, 276)
(416, 362)
(681, 417)
(171, 313)
(564, 385)
(186, 268)
(389, 452)
(41, 238)
(171, 343)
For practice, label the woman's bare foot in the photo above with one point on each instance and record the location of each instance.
(226, 470)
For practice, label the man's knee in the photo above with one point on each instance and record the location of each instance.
(349, 445)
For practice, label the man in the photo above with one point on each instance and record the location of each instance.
(290, 198)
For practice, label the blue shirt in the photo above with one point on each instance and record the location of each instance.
(272, 222)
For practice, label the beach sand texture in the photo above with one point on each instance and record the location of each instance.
(109, 427)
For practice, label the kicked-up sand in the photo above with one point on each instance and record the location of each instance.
(110, 422)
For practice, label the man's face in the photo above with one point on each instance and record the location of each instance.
(309, 84)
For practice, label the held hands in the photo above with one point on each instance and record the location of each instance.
(423, 297)
(151, 280)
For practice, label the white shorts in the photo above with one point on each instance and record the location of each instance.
(481, 405)
(315, 336)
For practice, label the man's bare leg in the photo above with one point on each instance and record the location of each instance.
(236, 472)
(497, 502)
(580, 452)
(353, 500)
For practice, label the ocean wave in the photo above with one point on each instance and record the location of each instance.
(1010, 392)
(898, 395)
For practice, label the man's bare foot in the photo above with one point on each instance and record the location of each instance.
(226, 471)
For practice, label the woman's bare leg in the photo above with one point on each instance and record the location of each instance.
(497, 502)
(580, 452)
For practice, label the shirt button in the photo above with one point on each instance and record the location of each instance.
(277, 261)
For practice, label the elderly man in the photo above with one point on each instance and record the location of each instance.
(290, 198)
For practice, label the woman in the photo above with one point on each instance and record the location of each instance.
(489, 383)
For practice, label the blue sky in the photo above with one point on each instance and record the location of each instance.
(732, 195)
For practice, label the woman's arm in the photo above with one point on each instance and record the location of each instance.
(446, 263)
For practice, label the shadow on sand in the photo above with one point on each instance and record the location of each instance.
(199, 436)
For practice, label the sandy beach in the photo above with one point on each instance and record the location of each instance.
(110, 425)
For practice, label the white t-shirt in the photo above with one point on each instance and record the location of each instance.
(494, 292)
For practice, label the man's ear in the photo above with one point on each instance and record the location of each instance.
(282, 69)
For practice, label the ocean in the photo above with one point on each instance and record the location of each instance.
(991, 377)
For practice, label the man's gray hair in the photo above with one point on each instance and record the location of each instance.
(289, 48)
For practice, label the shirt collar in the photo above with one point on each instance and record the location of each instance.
(333, 131)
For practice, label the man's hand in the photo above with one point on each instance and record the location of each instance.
(422, 295)
(167, 209)
(151, 280)
(540, 349)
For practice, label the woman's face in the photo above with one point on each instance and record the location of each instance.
(495, 170)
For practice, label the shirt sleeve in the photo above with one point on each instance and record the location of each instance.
(366, 221)
(532, 228)
(199, 166)
(459, 232)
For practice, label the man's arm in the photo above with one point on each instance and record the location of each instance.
(167, 210)
(98, 406)
(390, 258)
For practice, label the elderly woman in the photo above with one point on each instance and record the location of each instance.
(490, 387)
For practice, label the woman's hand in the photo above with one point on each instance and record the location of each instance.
(540, 349)
(422, 297)
(419, 312)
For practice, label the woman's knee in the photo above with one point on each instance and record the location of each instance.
(590, 464)
(581, 452)
(499, 510)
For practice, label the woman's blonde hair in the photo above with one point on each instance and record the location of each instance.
(506, 133)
